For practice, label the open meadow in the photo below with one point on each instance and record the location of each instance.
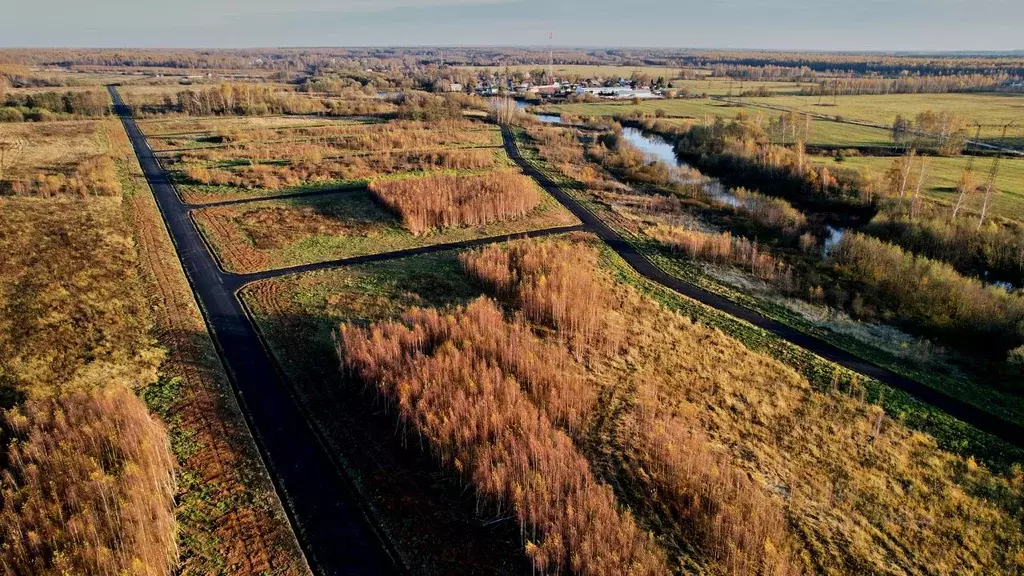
(992, 111)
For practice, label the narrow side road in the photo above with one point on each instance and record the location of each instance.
(333, 528)
(1005, 430)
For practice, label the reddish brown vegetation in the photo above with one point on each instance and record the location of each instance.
(724, 248)
(470, 408)
(446, 201)
(553, 283)
(719, 509)
(87, 488)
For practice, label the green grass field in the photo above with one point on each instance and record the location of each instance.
(943, 174)
(824, 132)
(991, 110)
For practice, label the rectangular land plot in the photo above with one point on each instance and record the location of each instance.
(273, 234)
(235, 163)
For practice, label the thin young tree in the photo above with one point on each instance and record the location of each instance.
(990, 184)
(966, 186)
(915, 202)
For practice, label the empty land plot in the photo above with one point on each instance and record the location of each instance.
(50, 147)
(839, 498)
(207, 125)
(329, 156)
(282, 233)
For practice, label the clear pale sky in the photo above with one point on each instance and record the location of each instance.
(777, 24)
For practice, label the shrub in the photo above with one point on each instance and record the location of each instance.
(445, 201)
(774, 213)
(88, 488)
(931, 294)
(724, 248)
(10, 114)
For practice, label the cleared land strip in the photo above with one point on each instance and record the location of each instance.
(332, 523)
(980, 419)
(243, 279)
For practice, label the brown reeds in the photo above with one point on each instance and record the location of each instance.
(88, 488)
(721, 511)
(471, 409)
(446, 201)
(553, 283)
(724, 248)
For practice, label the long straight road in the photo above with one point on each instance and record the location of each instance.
(332, 526)
(1008, 431)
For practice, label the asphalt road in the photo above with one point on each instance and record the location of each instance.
(1007, 431)
(336, 534)
(330, 520)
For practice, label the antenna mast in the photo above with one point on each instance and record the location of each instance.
(551, 56)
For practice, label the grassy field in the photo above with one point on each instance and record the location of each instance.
(283, 233)
(824, 133)
(944, 173)
(991, 110)
(758, 412)
(46, 147)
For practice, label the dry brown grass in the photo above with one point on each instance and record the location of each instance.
(446, 201)
(862, 493)
(60, 158)
(71, 312)
(314, 168)
(87, 487)
(438, 373)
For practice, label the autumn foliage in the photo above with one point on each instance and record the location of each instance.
(720, 510)
(88, 488)
(446, 201)
(724, 248)
(552, 282)
(438, 372)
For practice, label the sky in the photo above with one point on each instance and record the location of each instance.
(768, 24)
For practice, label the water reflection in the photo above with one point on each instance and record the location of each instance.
(832, 237)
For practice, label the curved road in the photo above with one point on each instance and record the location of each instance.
(1008, 431)
(330, 522)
